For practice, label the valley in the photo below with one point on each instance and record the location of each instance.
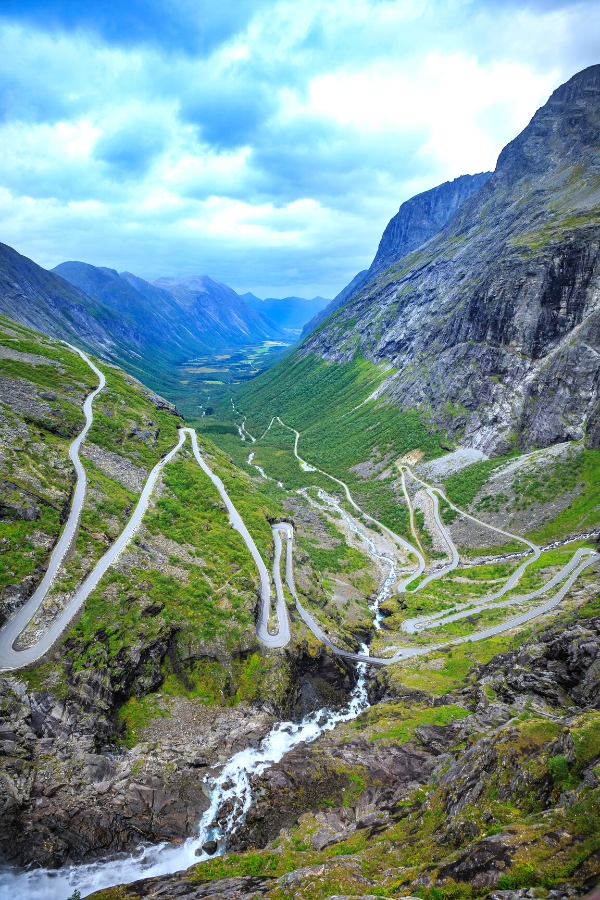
(324, 621)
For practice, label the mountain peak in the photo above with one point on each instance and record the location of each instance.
(563, 132)
(579, 87)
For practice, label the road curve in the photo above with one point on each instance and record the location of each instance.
(282, 636)
(16, 659)
(11, 659)
(395, 537)
(580, 560)
(576, 565)
(423, 622)
(15, 626)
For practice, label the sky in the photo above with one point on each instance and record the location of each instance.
(265, 143)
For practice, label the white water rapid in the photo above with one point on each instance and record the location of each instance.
(231, 786)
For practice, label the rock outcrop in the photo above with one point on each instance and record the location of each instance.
(419, 218)
(67, 793)
(493, 325)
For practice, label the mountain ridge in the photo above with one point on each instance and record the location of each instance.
(418, 219)
(503, 296)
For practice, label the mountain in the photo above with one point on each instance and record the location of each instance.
(155, 312)
(181, 317)
(216, 312)
(466, 769)
(417, 220)
(337, 301)
(493, 326)
(290, 313)
(45, 301)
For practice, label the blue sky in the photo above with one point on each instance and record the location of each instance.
(264, 143)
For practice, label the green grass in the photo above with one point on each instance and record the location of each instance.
(341, 558)
(340, 427)
(462, 487)
(398, 723)
(122, 413)
(456, 669)
(583, 512)
(554, 228)
(135, 714)
(544, 485)
(320, 399)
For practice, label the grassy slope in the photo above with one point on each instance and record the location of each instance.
(35, 447)
(579, 474)
(340, 427)
(185, 561)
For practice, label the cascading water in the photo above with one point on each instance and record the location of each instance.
(260, 469)
(230, 791)
(230, 799)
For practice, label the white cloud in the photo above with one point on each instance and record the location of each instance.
(275, 157)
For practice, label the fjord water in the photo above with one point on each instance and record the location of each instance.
(233, 783)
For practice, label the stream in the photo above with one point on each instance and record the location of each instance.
(229, 789)
(231, 785)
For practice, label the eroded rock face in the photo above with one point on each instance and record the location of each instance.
(311, 773)
(493, 326)
(419, 218)
(65, 797)
(180, 885)
(481, 866)
(561, 667)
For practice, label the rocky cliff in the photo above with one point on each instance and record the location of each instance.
(416, 221)
(486, 790)
(419, 218)
(492, 326)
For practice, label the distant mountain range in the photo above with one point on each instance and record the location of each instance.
(148, 328)
(192, 313)
(290, 313)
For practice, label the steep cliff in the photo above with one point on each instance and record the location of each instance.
(419, 218)
(493, 326)
(416, 221)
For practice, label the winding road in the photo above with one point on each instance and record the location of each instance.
(12, 658)
(582, 558)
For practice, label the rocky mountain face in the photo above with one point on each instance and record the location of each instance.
(155, 312)
(214, 311)
(492, 326)
(416, 221)
(49, 303)
(337, 301)
(419, 218)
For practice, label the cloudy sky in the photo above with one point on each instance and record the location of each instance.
(263, 142)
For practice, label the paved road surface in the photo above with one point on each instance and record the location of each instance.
(10, 658)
